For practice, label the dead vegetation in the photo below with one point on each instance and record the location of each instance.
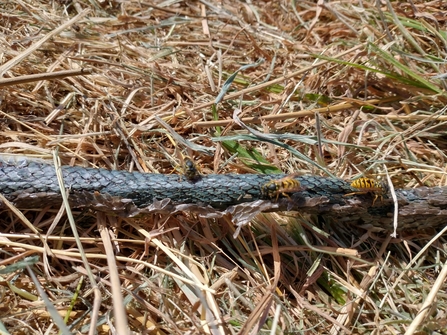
(362, 83)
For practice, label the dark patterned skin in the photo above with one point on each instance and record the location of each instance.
(220, 191)
(33, 184)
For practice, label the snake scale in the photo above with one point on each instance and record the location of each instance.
(33, 184)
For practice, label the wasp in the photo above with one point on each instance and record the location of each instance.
(277, 187)
(369, 185)
(190, 169)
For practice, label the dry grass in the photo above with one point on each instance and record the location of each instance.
(371, 75)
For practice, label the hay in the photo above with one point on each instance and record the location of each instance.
(92, 78)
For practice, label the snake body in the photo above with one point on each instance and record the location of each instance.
(35, 179)
(33, 184)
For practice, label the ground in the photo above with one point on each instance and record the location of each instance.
(361, 83)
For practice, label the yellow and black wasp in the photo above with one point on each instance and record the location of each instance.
(274, 188)
(190, 169)
(367, 185)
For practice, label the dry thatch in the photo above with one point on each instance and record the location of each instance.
(90, 78)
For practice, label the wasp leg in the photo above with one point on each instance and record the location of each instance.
(376, 196)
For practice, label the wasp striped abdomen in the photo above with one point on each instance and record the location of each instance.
(274, 188)
(369, 185)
